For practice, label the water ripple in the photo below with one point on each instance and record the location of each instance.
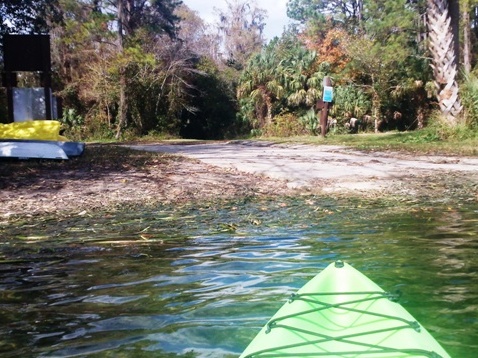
(194, 289)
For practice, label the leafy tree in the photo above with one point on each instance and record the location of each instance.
(393, 60)
(330, 47)
(28, 16)
(303, 10)
(83, 51)
(348, 13)
(112, 53)
(165, 88)
(152, 16)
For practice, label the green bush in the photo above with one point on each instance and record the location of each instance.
(73, 124)
(284, 125)
(310, 121)
(469, 98)
(350, 101)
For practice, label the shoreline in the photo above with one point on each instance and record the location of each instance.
(111, 178)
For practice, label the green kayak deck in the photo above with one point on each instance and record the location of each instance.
(342, 313)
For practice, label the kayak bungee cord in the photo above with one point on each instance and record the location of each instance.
(274, 324)
(411, 352)
(324, 306)
(376, 349)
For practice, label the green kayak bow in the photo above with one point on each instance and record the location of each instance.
(342, 313)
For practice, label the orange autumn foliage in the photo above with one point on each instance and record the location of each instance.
(330, 47)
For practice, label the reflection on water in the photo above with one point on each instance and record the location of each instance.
(201, 282)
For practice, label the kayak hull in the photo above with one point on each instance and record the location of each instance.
(35, 148)
(342, 313)
(26, 150)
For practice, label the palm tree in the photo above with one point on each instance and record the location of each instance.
(301, 78)
(442, 45)
(260, 82)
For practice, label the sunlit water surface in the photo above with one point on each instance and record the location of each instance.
(202, 281)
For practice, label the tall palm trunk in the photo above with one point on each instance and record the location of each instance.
(442, 45)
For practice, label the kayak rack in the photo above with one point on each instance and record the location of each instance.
(314, 299)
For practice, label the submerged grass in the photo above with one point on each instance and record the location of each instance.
(160, 223)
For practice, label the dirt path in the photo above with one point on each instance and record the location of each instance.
(324, 168)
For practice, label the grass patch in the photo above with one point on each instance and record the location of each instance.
(426, 141)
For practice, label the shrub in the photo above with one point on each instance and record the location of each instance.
(284, 125)
(72, 124)
(350, 101)
(440, 129)
(469, 97)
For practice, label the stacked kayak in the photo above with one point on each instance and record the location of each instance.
(39, 130)
(36, 139)
(342, 313)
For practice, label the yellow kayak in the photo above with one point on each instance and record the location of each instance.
(40, 130)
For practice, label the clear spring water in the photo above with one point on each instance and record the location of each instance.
(202, 281)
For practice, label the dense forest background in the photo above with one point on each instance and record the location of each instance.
(128, 68)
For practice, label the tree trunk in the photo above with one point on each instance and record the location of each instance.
(123, 109)
(376, 111)
(466, 41)
(454, 13)
(123, 105)
(444, 58)
(269, 112)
